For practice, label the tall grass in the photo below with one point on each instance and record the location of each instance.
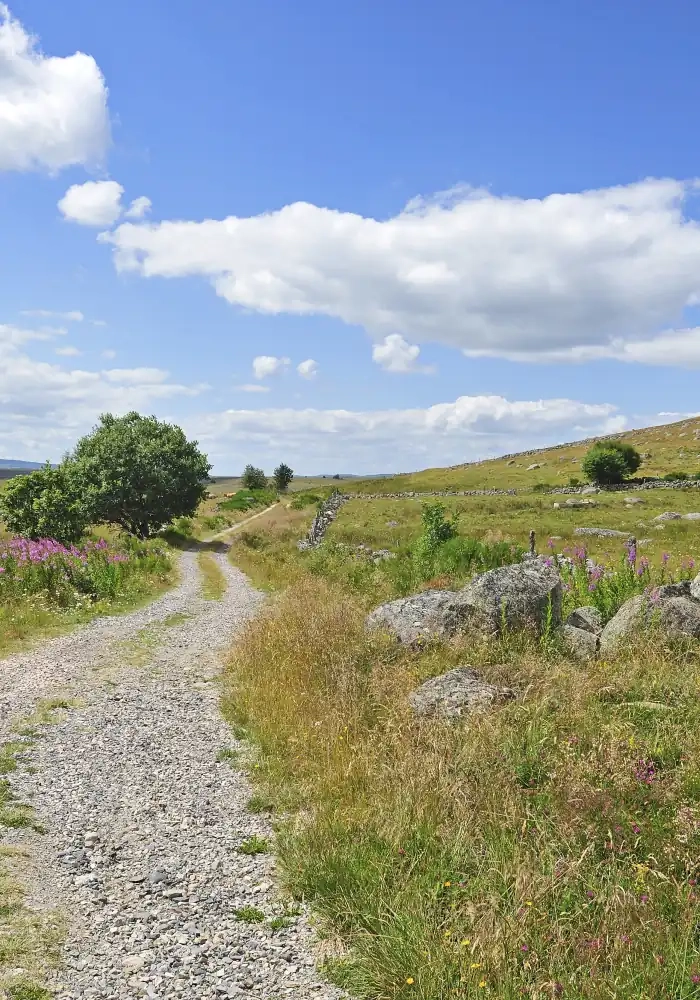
(548, 848)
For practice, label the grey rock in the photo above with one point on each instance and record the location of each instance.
(668, 515)
(580, 503)
(695, 588)
(693, 516)
(526, 594)
(458, 692)
(432, 614)
(587, 618)
(631, 501)
(579, 642)
(589, 489)
(680, 616)
(679, 589)
(628, 620)
(602, 532)
(674, 616)
(535, 465)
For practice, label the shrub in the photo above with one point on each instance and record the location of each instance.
(254, 479)
(608, 462)
(142, 472)
(302, 500)
(672, 477)
(541, 487)
(48, 503)
(247, 499)
(436, 528)
(283, 476)
(574, 481)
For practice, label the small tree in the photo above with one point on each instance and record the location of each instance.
(608, 462)
(143, 472)
(48, 503)
(254, 479)
(283, 477)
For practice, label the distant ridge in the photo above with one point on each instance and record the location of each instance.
(12, 463)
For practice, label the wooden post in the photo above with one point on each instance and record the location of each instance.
(532, 543)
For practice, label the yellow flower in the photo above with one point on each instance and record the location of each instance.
(475, 965)
(410, 980)
(447, 884)
(467, 941)
(447, 933)
(482, 984)
(528, 902)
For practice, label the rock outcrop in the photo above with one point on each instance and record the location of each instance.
(522, 595)
(432, 614)
(457, 693)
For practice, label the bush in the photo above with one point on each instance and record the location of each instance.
(436, 529)
(247, 499)
(142, 472)
(302, 500)
(283, 476)
(48, 503)
(574, 481)
(541, 487)
(608, 462)
(673, 477)
(253, 479)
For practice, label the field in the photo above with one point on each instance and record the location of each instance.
(669, 447)
(544, 849)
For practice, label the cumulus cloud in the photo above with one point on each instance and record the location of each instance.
(252, 387)
(74, 316)
(308, 369)
(395, 354)
(53, 109)
(138, 208)
(399, 439)
(68, 351)
(109, 354)
(94, 203)
(493, 275)
(265, 365)
(44, 407)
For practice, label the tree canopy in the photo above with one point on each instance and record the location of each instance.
(48, 503)
(254, 479)
(283, 476)
(609, 462)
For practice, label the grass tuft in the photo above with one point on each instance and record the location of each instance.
(213, 580)
(249, 915)
(254, 845)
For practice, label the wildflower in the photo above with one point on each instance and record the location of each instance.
(524, 947)
(475, 965)
(410, 981)
(528, 902)
(466, 942)
(447, 884)
(665, 558)
(482, 984)
(644, 898)
(695, 978)
(636, 829)
(590, 894)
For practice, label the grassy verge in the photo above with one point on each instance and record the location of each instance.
(30, 614)
(548, 848)
(213, 579)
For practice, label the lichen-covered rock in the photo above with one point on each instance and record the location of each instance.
(579, 642)
(695, 588)
(602, 532)
(457, 693)
(587, 618)
(522, 595)
(674, 616)
(679, 589)
(432, 614)
(668, 515)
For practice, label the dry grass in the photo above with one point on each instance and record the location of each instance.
(549, 848)
(213, 579)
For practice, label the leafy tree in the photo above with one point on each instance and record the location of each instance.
(143, 472)
(254, 479)
(283, 476)
(608, 462)
(48, 503)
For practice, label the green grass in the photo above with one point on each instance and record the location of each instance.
(227, 755)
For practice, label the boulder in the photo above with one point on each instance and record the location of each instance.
(691, 517)
(432, 614)
(589, 489)
(674, 616)
(581, 503)
(695, 588)
(535, 465)
(602, 532)
(587, 618)
(525, 594)
(668, 515)
(633, 500)
(580, 643)
(458, 692)
(680, 589)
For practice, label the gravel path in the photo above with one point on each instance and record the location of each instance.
(145, 815)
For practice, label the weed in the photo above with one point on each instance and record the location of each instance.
(259, 804)
(226, 755)
(213, 580)
(25, 990)
(254, 845)
(249, 915)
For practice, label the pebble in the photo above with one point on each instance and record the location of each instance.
(143, 823)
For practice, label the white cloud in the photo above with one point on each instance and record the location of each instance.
(138, 208)
(98, 322)
(68, 351)
(53, 109)
(308, 369)
(401, 439)
(265, 365)
(499, 276)
(44, 407)
(395, 354)
(94, 203)
(108, 353)
(74, 316)
(252, 387)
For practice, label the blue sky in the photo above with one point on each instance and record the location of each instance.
(472, 225)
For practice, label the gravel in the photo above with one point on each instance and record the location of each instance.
(144, 816)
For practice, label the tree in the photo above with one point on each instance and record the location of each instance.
(143, 472)
(254, 479)
(608, 462)
(283, 477)
(48, 503)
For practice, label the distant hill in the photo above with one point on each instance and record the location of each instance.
(12, 463)
(665, 448)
